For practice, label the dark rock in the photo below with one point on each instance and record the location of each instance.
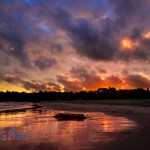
(64, 116)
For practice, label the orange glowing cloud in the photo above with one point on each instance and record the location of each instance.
(147, 35)
(4, 86)
(128, 44)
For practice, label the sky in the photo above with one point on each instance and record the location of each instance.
(74, 45)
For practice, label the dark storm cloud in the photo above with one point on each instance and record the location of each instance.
(137, 81)
(102, 71)
(45, 63)
(15, 30)
(87, 77)
(29, 85)
(56, 48)
(103, 42)
(87, 40)
(98, 42)
(54, 86)
(140, 52)
(9, 79)
(80, 72)
(132, 18)
(93, 29)
(74, 85)
(15, 45)
(136, 34)
(12, 79)
(14, 76)
(34, 86)
(40, 86)
(81, 78)
(113, 81)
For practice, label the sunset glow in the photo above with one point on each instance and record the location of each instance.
(147, 35)
(63, 46)
(127, 43)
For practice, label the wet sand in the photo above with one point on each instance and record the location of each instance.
(138, 138)
(107, 128)
(20, 108)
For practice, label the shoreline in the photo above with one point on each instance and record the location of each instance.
(135, 138)
(21, 108)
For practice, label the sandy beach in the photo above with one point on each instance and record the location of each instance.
(137, 138)
(106, 128)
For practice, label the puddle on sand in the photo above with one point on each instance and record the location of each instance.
(46, 132)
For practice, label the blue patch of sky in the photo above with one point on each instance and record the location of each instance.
(36, 2)
(45, 28)
(28, 2)
(16, 17)
(97, 4)
(62, 2)
(9, 2)
(109, 13)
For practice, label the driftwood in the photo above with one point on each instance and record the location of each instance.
(64, 116)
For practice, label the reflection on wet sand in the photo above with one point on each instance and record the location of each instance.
(46, 131)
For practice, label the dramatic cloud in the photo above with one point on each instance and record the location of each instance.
(37, 86)
(104, 42)
(102, 71)
(45, 63)
(56, 48)
(137, 81)
(113, 81)
(86, 39)
(82, 79)
(31, 86)
(75, 45)
(70, 85)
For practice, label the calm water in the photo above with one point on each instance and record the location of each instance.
(46, 132)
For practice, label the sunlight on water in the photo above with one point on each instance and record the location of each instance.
(42, 128)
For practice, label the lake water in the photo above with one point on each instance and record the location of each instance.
(46, 132)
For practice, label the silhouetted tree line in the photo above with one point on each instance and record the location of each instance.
(101, 93)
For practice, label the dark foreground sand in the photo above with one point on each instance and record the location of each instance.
(135, 139)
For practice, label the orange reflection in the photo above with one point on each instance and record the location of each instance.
(42, 127)
(12, 119)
